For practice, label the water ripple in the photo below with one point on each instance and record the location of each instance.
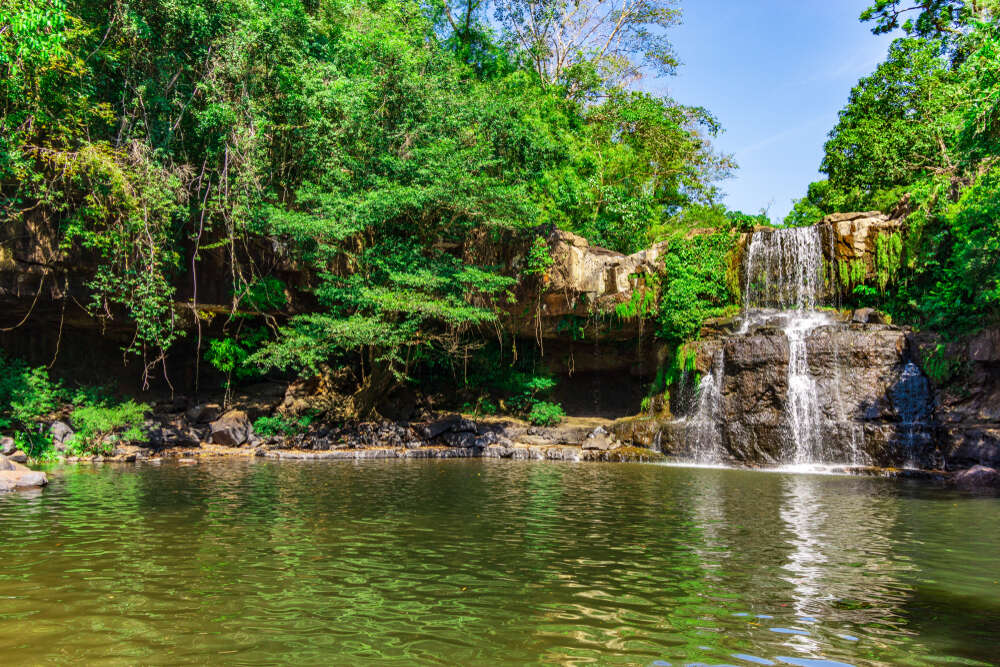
(493, 562)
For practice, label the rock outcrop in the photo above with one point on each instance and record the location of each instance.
(860, 374)
(583, 280)
(14, 476)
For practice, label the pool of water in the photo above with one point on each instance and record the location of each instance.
(494, 562)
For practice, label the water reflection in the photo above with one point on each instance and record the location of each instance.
(481, 562)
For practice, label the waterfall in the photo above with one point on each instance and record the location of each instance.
(823, 418)
(703, 428)
(784, 270)
(802, 406)
(911, 400)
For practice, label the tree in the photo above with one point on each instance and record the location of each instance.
(591, 46)
(933, 19)
(898, 122)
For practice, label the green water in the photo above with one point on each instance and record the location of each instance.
(494, 562)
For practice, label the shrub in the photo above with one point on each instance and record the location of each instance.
(700, 282)
(280, 425)
(544, 413)
(99, 428)
(26, 394)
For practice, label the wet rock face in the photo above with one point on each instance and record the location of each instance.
(874, 407)
(967, 403)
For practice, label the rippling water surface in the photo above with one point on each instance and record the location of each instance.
(494, 562)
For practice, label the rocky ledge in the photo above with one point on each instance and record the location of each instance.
(14, 475)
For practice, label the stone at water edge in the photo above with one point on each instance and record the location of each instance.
(18, 457)
(13, 476)
(598, 439)
(203, 413)
(232, 429)
(977, 477)
(7, 446)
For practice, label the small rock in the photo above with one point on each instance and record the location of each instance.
(977, 477)
(61, 433)
(187, 462)
(598, 441)
(867, 316)
(433, 429)
(18, 457)
(7, 446)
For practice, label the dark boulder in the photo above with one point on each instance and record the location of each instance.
(977, 477)
(232, 429)
(203, 413)
(433, 429)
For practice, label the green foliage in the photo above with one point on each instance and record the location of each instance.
(376, 146)
(100, 428)
(265, 294)
(888, 252)
(281, 425)
(26, 394)
(699, 283)
(851, 274)
(544, 413)
(229, 354)
(574, 325)
(892, 127)
(924, 129)
(29, 398)
(506, 386)
(538, 260)
(642, 302)
(934, 18)
(940, 366)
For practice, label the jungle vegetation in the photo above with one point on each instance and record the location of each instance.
(921, 136)
(374, 143)
(393, 151)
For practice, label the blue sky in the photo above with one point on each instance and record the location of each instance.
(775, 73)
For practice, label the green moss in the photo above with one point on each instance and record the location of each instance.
(941, 367)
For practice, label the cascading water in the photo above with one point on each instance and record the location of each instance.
(784, 270)
(824, 418)
(803, 406)
(911, 400)
(703, 428)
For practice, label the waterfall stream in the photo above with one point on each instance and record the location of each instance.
(703, 430)
(784, 270)
(783, 289)
(802, 405)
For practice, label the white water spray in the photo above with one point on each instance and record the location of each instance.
(703, 429)
(784, 270)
